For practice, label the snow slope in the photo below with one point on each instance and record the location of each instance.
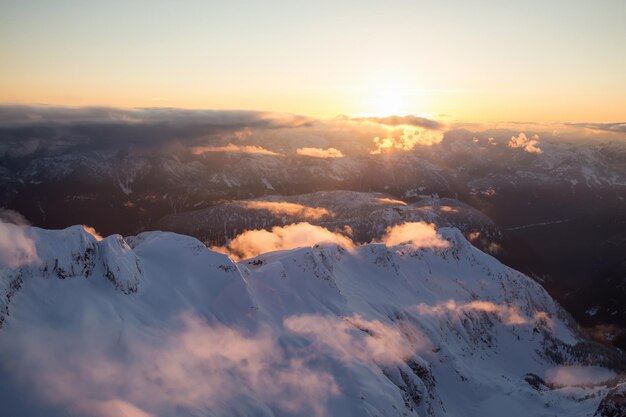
(158, 325)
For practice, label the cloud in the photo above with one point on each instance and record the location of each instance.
(26, 130)
(194, 365)
(509, 314)
(255, 242)
(285, 208)
(448, 209)
(619, 127)
(13, 217)
(405, 140)
(417, 234)
(577, 375)
(320, 153)
(92, 232)
(528, 144)
(16, 248)
(26, 115)
(386, 200)
(256, 150)
(409, 120)
(355, 338)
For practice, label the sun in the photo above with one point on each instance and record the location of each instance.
(389, 102)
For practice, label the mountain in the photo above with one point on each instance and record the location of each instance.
(158, 325)
(365, 215)
(556, 195)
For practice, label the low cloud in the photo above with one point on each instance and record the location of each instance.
(92, 232)
(577, 375)
(255, 242)
(199, 366)
(252, 243)
(416, 234)
(320, 153)
(507, 313)
(405, 140)
(13, 217)
(16, 247)
(256, 150)
(355, 338)
(386, 200)
(528, 144)
(285, 208)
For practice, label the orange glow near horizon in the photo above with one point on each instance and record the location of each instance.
(323, 59)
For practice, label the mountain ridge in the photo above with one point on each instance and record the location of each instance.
(375, 329)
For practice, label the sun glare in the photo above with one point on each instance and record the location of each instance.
(390, 102)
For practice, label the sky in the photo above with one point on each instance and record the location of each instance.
(478, 60)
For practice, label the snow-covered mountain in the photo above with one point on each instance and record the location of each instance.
(159, 325)
(366, 215)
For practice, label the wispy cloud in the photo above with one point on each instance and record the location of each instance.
(619, 127)
(194, 365)
(355, 338)
(255, 150)
(320, 153)
(577, 375)
(507, 313)
(92, 231)
(386, 200)
(16, 247)
(286, 208)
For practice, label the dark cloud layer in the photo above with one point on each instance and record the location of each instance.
(33, 128)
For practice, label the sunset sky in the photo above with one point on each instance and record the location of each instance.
(458, 59)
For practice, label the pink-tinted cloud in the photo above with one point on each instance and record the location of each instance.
(405, 140)
(528, 144)
(507, 313)
(16, 248)
(256, 150)
(200, 366)
(286, 208)
(355, 338)
(577, 375)
(416, 234)
(255, 242)
(92, 231)
(386, 200)
(320, 153)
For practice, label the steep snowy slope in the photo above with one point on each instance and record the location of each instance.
(158, 325)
